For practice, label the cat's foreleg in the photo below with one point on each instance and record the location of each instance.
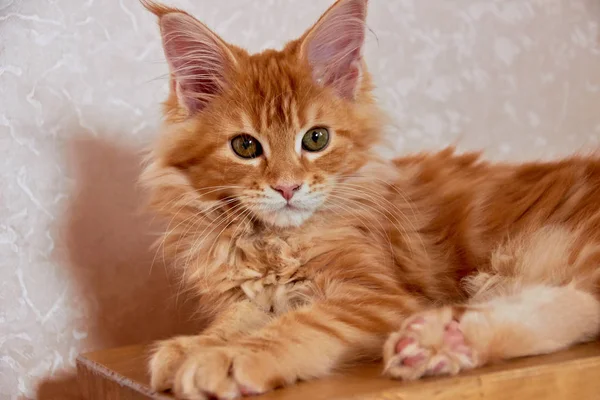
(309, 342)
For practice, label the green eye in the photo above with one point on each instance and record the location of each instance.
(246, 146)
(316, 139)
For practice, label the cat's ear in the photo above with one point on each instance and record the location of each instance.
(333, 47)
(199, 60)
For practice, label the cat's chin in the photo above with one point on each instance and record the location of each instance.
(286, 218)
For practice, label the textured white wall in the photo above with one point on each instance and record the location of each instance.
(80, 84)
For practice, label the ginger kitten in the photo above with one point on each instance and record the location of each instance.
(309, 252)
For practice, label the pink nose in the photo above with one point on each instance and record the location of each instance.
(286, 191)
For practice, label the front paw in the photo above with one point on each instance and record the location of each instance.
(167, 357)
(214, 372)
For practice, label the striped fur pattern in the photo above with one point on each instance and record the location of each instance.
(444, 261)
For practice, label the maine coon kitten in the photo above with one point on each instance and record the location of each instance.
(309, 252)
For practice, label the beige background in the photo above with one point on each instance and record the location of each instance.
(80, 83)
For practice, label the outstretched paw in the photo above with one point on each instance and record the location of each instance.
(429, 343)
(194, 370)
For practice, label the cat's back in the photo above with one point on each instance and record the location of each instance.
(502, 194)
(459, 208)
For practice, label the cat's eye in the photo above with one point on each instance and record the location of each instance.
(316, 139)
(246, 146)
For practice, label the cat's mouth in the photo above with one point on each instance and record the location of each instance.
(293, 207)
(286, 215)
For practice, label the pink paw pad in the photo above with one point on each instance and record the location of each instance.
(246, 391)
(454, 338)
(413, 355)
(403, 343)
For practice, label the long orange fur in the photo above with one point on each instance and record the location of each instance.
(444, 261)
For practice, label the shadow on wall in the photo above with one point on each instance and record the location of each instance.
(107, 237)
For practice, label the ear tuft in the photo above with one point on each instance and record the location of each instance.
(333, 47)
(156, 8)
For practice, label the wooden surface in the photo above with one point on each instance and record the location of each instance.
(120, 374)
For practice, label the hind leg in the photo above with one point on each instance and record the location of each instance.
(533, 320)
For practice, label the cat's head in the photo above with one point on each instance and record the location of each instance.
(272, 132)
